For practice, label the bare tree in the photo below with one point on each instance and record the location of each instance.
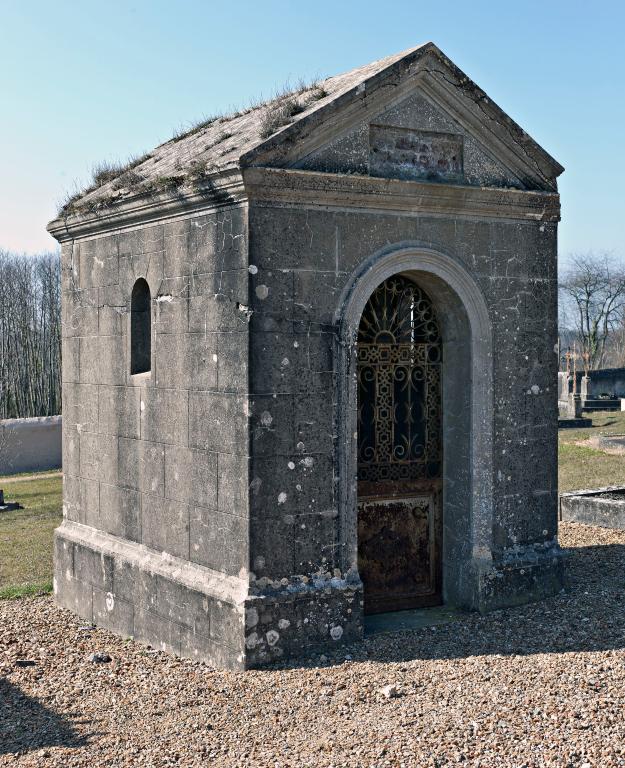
(30, 335)
(614, 356)
(592, 302)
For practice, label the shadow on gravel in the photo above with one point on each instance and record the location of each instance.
(25, 724)
(589, 615)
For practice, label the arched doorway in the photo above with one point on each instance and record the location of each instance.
(467, 412)
(399, 456)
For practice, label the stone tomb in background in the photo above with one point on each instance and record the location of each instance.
(309, 370)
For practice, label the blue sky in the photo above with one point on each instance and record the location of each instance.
(87, 81)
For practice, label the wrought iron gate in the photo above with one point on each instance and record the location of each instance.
(399, 448)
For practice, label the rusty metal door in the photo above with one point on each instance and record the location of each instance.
(399, 449)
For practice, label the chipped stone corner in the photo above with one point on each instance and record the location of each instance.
(301, 618)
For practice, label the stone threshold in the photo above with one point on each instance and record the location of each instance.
(417, 618)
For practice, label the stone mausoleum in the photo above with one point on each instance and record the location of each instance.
(309, 370)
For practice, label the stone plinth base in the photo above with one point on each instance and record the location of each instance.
(171, 604)
(191, 611)
(291, 626)
(580, 423)
(604, 507)
(529, 575)
(602, 404)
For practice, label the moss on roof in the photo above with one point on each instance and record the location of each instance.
(215, 144)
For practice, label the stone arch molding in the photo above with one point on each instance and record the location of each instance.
(466, 324)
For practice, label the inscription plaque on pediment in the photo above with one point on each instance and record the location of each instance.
(404, 153)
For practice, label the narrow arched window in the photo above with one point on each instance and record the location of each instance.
(140, 328)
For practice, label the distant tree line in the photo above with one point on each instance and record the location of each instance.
(30, 335)
(592, 310)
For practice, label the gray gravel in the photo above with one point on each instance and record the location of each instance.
(541, 685)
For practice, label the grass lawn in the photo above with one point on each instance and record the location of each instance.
(26, 534)
(584, 466)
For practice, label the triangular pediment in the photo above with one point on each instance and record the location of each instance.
(416, 139)
(420, 118)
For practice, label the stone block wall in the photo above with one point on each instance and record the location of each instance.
(159, 459)
(296, 292)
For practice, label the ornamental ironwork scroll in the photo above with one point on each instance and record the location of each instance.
(399, 385)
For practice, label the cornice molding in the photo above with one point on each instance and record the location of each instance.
(329, 190)
(312, 189)
(148, 208)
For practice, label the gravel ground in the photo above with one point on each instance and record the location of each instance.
(541, 685)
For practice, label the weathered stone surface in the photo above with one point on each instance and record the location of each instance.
(164, 603)
(164, 415)
(119, 411)
(71, 452)
(70, 350)
(93, 567)
(234, 484)
(216, 302)
(112, 310)
(80, 407)
(165, 525)
(211, 500)
(142, 466)
(171, 311)
(219, 540)
(81, 500)
(217, 422)
(120, 511)
(191, 476)
(80, 312)
(103, 360)
(186, 360)
(232, 362)
(99, 457)
(604, 507)
(99, 262)
(113, 613)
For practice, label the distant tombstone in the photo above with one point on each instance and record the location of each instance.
(7, 506)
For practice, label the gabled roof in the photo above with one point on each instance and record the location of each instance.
(266, 134)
